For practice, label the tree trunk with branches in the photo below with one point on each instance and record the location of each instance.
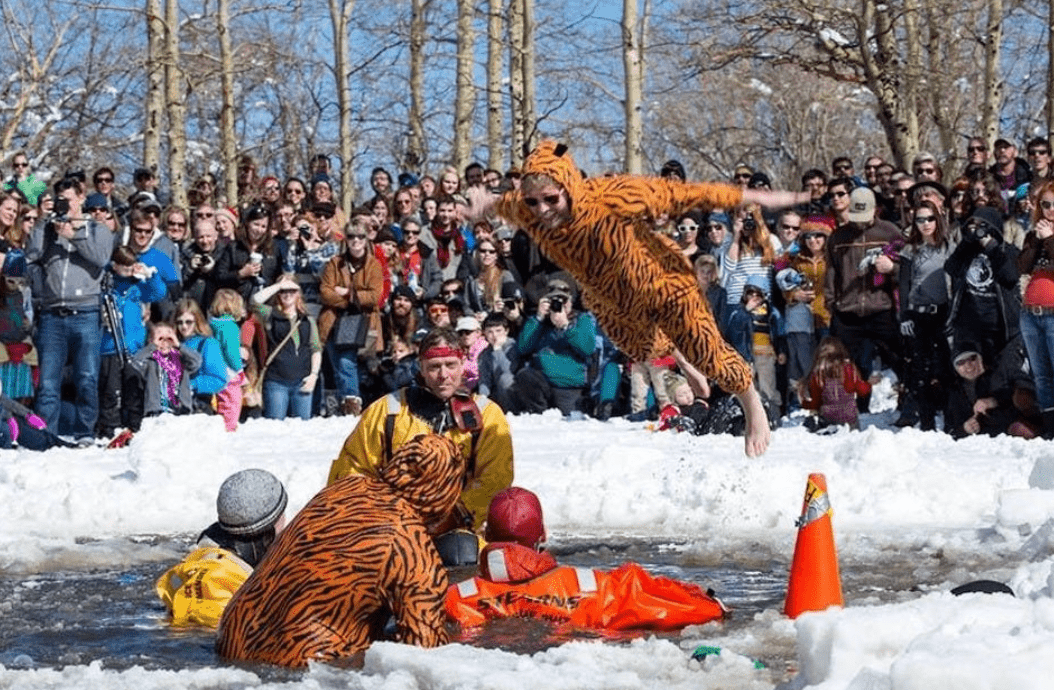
(495, 39)
(465, 100)
(228, 138)
(340, 15)
(155, 94)
(633, 64)
(175, 106)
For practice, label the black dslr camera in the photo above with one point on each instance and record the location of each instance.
(556, 303)
(975, 231)
(749, 224)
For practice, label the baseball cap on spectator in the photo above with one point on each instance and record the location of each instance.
(558, 287)
(861, 205)
(407, 179)
(673, 168)
(385, 235)
(515, 515)
(721, 218)
(759, 180)
(467, 324)
(963, 351)
(1002, 143)
(14, 264)
(511, 291)
(95, 201)
(145, 201)
(918, 186)
(323, 209)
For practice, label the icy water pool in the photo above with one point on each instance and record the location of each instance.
(55, 619)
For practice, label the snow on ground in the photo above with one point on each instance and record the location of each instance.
(902, 492)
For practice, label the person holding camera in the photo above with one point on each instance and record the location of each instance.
(558, 344)
(199, 263)
(985, 299)
(251, 261)
(751, 253)
(70, 251)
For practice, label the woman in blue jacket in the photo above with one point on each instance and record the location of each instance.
(194, 332)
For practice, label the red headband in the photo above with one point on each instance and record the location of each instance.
(443, 351)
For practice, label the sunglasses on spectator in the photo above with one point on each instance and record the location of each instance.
(713, 227)
(1046, 205)
(356, 237)
(688, 227)
(414, 233)
(788, 226)
(926, 171)
(922, 220)
(743, 176)
(813, 235)
(178, 223)
(288, 291)
(21, 165)
(843, 166)
(450, 292)
(487, 251)
(102, 180)
(1038, 152)
(294, 190)
(977, 149)
(839, 195)
(549, 199)
(204, 214)
(184, 322)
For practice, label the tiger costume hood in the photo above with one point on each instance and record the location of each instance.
(554, 160)
(428, 474)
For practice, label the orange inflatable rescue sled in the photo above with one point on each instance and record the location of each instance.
(626, 598)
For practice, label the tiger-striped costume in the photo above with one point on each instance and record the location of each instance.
(637, 283)
(358, 551)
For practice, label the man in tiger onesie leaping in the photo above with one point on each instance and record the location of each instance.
(637, 283)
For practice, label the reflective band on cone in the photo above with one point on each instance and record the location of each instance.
(814, 580)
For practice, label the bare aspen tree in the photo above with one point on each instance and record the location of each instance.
(530, 103)
(993, 80)
(495, 38)
(633, 64)
(414, 156)
(517, 109)
(465, 100)
(1050, 68)
(155, 76)
(340, 16)
(175, 106)
(228, 140)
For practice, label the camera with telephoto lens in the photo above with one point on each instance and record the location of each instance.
(509, 303)
(749, 224)
(556, 303)
(975, 231)
(61, 209)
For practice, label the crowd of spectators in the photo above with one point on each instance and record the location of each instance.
(285, 304)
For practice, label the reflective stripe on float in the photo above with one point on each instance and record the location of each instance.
(467, 588)
(496, 566)
(587, 579)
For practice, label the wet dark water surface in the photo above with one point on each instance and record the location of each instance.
(73, 618)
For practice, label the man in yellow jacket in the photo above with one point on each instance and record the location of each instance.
(438, 404)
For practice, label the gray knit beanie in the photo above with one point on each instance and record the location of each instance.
(250, 501)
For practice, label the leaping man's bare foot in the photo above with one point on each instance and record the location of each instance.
(757, 433)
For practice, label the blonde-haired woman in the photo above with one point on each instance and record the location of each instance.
(294, 350)
(193, 330)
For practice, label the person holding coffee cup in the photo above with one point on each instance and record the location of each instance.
(251, 261)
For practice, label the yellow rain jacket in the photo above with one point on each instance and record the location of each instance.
(407, 413)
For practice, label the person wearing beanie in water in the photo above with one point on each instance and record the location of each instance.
(251, 510)
(637, 282)
(517, 578)
(358, 552)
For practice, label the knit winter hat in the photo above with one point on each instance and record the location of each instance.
(515, 515)
(250, 501)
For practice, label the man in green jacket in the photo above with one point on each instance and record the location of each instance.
(558, 345)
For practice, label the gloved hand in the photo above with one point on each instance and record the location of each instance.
(907, 328)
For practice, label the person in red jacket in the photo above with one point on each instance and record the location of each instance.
(832, 387)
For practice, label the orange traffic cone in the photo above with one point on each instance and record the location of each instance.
(814, 582)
